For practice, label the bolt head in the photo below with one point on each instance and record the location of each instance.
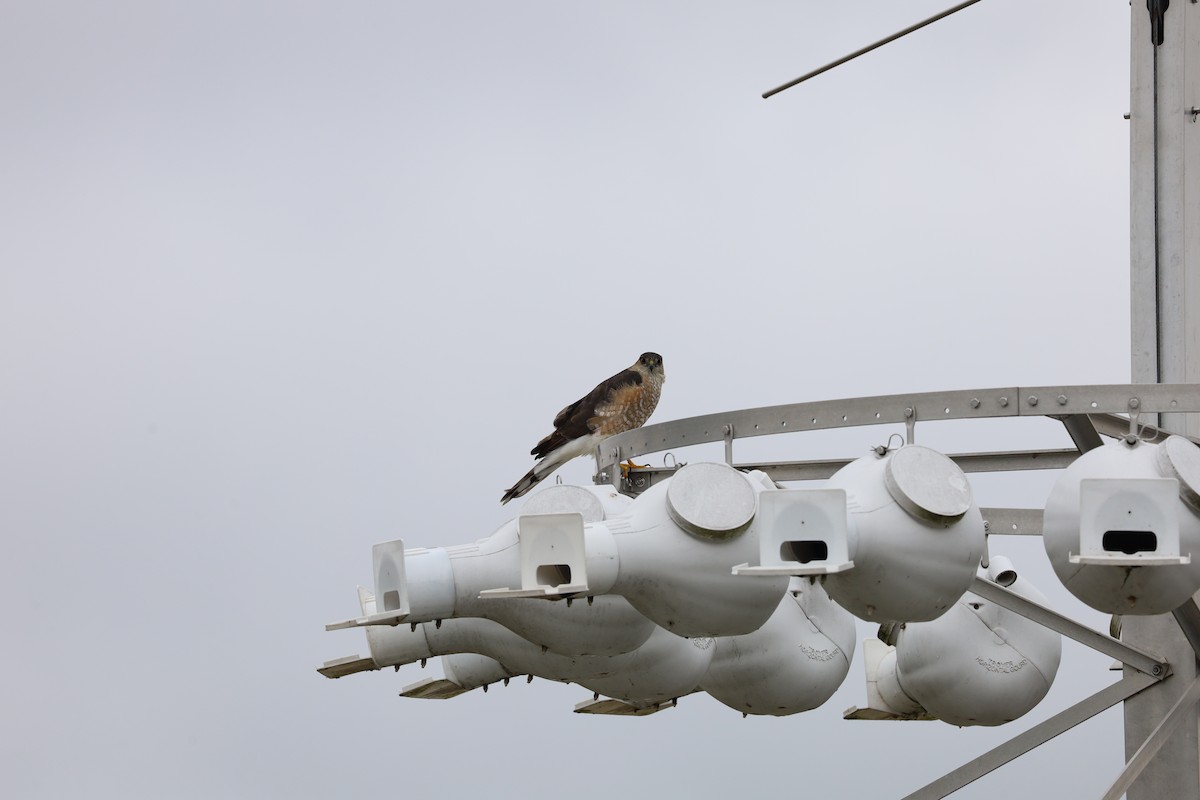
(974, 402)
(1033, 401)
(1062, 399)
(1134, 402)
(1003, 402)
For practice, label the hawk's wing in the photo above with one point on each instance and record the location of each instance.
(579, 419)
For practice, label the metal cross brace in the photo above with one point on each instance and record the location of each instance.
(1150, 670)
(1138, 659)
(1038, 735)
(1154, 742)
(1188, 617)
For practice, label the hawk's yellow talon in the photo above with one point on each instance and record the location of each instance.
(628, 466)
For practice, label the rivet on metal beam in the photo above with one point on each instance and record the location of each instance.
(974, 402)
(1062, 399)
(1033, 401)
(1134, 402)
(1004, 402)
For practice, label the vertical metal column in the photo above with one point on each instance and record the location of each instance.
(1165, 327)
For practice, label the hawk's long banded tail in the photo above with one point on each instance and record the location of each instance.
(532, 478)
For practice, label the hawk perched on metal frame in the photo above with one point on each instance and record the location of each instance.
(623, 402)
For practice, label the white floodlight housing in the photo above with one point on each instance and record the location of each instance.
(800, 532)
(915, 535)
(1121, 527)
(793, 663)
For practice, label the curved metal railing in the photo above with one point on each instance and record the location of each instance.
(1088, 413)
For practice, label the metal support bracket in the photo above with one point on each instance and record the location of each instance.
(1012, 521)
(1082, 430)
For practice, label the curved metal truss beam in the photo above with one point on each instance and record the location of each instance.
(1087, 412)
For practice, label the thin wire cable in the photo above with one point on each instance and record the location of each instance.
(869, 48)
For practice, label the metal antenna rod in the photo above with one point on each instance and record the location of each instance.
(869, 48)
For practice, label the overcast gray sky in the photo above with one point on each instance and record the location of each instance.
(280, 280)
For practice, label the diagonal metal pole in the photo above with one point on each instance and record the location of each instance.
(1154, 742)
(1133, 656)
(1038, 735)
(869, 48)
(1188, 617)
